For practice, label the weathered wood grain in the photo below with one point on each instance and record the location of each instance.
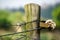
(31, 12)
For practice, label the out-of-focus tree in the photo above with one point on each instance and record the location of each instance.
(4, 23)
(4, 14)
(56, 15)
(16, 17)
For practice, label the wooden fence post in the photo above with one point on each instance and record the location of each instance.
(32, 12)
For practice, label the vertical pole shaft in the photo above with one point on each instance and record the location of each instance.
(38, 25)
(33, 13)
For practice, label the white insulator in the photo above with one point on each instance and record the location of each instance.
(51, 23)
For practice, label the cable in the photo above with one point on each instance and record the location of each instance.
(20, 32)
(23, 31)
(23, 24)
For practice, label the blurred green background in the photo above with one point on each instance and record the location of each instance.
(12, 16)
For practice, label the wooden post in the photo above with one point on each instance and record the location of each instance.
(38, 24)
(32, 12)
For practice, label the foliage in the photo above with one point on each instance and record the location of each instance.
(4, 14)
(6, 38)
(8, 18)
(56, 15)
(4, 23)
(15, 17)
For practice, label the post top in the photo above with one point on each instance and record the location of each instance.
(32, 4)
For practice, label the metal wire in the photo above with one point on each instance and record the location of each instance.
(23, 24)
(22, 31)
